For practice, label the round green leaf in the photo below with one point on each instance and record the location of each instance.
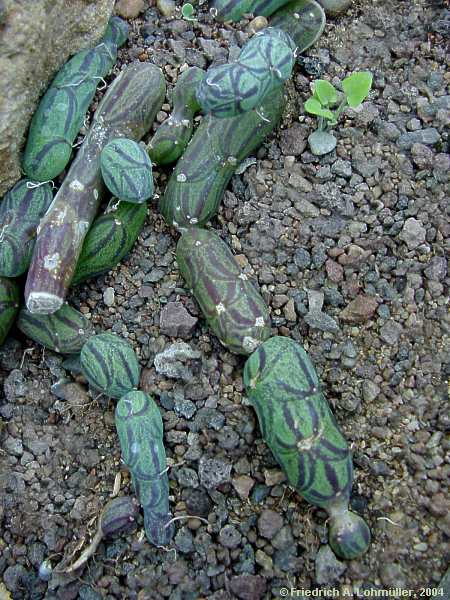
(357, 87)
(325, 92)
(313, 106)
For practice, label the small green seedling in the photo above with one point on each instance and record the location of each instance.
(187, 10)
(356, 88)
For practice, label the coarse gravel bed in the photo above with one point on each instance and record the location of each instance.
(349, 252)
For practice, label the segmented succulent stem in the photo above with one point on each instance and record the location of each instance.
(264, 63)
(65, 331)
(303, 20)
(110, 365)
(127, 110)
(233, 10)
(62, 110)
(300, 429)
(127, 170)
(116, 31)
(173, 135)
(218, 146)
(9, 305)
(140, 429)
(229, 301)
(20, 212)
(109, 240)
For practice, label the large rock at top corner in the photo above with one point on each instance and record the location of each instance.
(36, 39)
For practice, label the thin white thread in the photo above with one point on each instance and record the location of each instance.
(32, 186)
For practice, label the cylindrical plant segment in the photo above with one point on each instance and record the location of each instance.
(230, 302)
(218, 146)
(302, 433)
(127, 110)
(20, 212)
(173, 135)
(140, 429)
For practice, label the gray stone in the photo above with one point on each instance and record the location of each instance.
(392, 574)
(171, 361)
(248, 587)
(109, 296)
(422, 155)
(414, 124)
(427, 136)
(15, 385)
(175, 320)
(302, 258)
(13, 446)
(342, 168)
(413, 233)
(184, 541)
(86, 592)
(184, 407)
(293, 140)
(388, 131)
(198, 503)
(390, 332)
(214, 472)
(207, 417)
(321, 142)
(269, 523)
(230, 537)
(187, 477)
(333, 7)
(328, 567)
(304, 206)
(317, 319)
(437, 268)
(370, 390)
(246, 562)
(166, 7)
(37, 39)
(14, 577)
(315, 301)
(321, 321)
(213, 50)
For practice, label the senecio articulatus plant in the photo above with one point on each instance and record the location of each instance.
(127, 110)
(127, 170)
(63, 108)
(243, 102)
(110, 365)
(109, 240)
(218, 146)
(140, 429)
(263, 65)
(9, 305)
(174, 134)
(233, 10)
(20, 212)
(233, 307)
(65, 331)
(302, 433)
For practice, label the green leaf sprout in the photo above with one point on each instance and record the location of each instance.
(356, 88)
(187, 10)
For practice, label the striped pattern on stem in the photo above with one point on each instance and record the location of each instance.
(301, 431)
(230, 302)
(127, 110)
